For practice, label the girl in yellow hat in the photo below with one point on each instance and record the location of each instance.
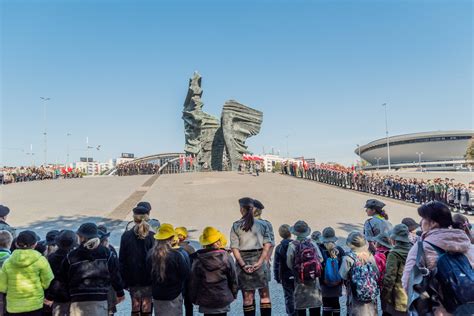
(213, 283)
(169, 269)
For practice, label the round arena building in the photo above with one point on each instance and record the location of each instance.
(439, 150)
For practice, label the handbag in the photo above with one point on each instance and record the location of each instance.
(421, 290)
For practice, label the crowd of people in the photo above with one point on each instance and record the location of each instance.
(136, 168)
(23, 174)
(459, 196)
(425, 268)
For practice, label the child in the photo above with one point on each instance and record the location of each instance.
(169, 270)
(307, 270)
(213, 282)
(382, 247)
(331, 282)
(134, 247)
(283, 275)
(359, 262)
(184, 246)
(89, 271)
(412, 227)
(393, 297)
(57, 293)
(5, 244)
(25, 276)
(104, 241)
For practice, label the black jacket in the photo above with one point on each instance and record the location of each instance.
(90, 273)
(57, 290)
(213, 282)
(281, 272)
(132, 258)
(177, 271)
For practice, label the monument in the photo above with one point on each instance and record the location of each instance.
(217, 144)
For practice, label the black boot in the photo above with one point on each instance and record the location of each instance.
(265, 309)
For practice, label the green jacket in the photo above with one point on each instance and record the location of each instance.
(24, 277)
(392, 289)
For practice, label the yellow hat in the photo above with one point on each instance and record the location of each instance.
(182, 231)
(165, 231)
(210, 235)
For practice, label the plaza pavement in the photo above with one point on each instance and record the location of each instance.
(194, 200)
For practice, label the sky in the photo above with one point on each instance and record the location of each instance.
(117, 72)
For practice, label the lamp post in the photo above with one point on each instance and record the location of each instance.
(360, 158)
(419, 160)
(386, 133)
(67, 148)
(378, 159)
(287, 152)
(32, 154)
(45, 134)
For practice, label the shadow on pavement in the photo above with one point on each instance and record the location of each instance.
(69, 222)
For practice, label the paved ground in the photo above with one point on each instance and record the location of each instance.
(194, 200)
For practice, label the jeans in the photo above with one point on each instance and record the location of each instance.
(289, 293)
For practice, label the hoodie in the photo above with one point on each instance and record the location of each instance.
(213, 281)
(24, 277)
(452, 240)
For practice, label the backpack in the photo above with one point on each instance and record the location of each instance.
(364, 279)
(307, 266)
(331, 270)
(455, 278)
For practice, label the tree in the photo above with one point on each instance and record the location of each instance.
(470, 152)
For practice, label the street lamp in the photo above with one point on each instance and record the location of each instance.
(67, 149)
(45, 134)
(287, 152)
(31, 153)
(386, 133)
(419, 159)
(360, 158)
(87, 153)
(378, 159)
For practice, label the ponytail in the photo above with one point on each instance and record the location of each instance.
(382, 213)
(247, 218)
(332, 249)
(142, 228)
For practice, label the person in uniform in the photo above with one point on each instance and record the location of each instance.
(144, 208)
(257, 213)
(4, 211)
(250, 241)
(377, 223)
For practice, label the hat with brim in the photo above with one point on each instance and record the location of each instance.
(88, 231)
(410, 223)
(210, 235)
(329, 235)
(4, 211)
(182, 231)
(300, 229)
(356, 241)
(383, 239)
(166, 231)
(51, 237)
(374, 204)
(400, 233)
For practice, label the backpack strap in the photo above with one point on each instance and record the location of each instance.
(420, 258)
(436, 248)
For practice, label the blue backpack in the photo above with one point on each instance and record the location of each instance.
(455, 278)
(331, 270)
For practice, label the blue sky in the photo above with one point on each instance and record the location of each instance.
(117, 72)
